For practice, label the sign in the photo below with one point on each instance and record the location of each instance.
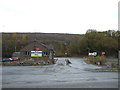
(37, 49)
(95, 53)
(92, 54)
(36, 53)
(103, 53)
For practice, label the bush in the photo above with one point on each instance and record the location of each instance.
(114, 64)
(98, 60)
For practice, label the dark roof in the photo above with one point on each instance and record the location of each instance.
(48, 47)
(35, 42)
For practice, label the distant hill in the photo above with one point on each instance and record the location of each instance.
(59, 37)
(46, 38)
(52, 36)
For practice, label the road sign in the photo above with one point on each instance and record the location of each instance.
(103, 53)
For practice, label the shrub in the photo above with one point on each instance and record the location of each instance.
(98, 60)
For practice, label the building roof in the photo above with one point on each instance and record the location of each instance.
(36, 43)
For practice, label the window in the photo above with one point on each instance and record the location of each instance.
(46, 53)
(27, 53)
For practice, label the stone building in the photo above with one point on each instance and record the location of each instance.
(37, 52)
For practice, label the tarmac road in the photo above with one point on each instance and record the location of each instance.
(76, 75)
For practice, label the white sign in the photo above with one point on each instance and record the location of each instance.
(36, 53)
(93, 54)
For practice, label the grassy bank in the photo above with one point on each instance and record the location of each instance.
(108, 69)
(98, 60)
(103, 61)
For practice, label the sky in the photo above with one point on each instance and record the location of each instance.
(58, 16)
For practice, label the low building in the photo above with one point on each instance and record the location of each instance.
(16, 54)
(38, 52)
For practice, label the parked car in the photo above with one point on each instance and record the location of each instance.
(15, 58)
(7, 59)
(0, 59)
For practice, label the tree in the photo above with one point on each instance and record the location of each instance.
(24, 37)
(14, 36)
(90, 31)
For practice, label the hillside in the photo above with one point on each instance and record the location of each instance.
(72, 44)
(52, 36)
(45, 36)
(16, 41)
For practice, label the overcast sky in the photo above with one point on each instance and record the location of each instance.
(58, 16)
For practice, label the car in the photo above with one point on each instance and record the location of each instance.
(7, 59)
(0, 59)
(15, 58)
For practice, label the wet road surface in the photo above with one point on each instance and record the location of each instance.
(76, 75)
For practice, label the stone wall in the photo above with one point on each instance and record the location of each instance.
(28, 62)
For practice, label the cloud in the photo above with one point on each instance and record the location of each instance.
(58, 16)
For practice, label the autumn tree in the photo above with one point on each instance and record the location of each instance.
(14, 36)
(24, 37)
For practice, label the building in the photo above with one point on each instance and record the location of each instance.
(38, 52)
(16, 54)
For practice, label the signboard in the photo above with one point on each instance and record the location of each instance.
(90, 54)
(37, 49)
(93, 54)
(103, 53)
(36, 53)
